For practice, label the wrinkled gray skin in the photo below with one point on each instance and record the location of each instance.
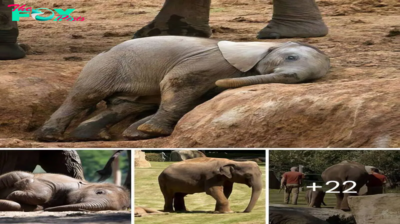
(106, 172)
(9, 49)
(174, 75)
(282, 216)
(23, 191)
(191, 18)
(213, 176)
(315, 198)
(346, 170)
(65, 162)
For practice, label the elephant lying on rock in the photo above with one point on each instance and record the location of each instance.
(315, 198)
(23, 191)
(214, 176)
(173, 74)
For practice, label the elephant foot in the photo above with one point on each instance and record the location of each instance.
(151, 128)
(345, 209)
(137, 135)
(49, 135)
(281, 28)
(89, 132)
(11, 51)
(175, 25)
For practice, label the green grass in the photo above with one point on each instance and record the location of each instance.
(148, 194)
(276, 197)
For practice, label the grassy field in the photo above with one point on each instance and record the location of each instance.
(148, 194)
(277, 198)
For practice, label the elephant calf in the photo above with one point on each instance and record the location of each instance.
(167, 76)
(315, 198)
(23, 191)
(214, 176)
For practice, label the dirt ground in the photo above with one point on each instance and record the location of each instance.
(66, 217)
(363, 44)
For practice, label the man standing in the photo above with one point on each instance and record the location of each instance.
(376, 182)
(291, 181)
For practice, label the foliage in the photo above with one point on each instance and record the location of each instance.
(155, 157)
(94, 160)
(316, 161)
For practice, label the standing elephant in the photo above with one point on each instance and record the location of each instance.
(9, 49)
(188, 71)
(315, 198)
(214, 176)
(106, 172)
(346, 171)
(65, 162)
(300, 18)
(22, 191)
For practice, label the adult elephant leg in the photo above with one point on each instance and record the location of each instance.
(132, 133)
(300, 18)
(222, 204)
(339, 199)
(65, 162)
(180, 18)
(179, 202)
(9, 49)
(95, 128)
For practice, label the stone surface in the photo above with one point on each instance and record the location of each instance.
(140, 160)
(320, 213)
(372, 209)
(180, 155)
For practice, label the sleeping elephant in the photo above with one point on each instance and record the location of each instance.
(345, 171)
(214, 176)
(65, 162)
(315, 198)
(173, 76)
(23, 191)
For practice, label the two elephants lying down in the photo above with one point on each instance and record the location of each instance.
(167, 76)
(23, 191)
(214, 176)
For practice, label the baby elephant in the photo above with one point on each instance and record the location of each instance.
(167, 76)
(211, 175)
(23, 191)
(315, 198)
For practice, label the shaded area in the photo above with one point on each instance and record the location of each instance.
(66, 217)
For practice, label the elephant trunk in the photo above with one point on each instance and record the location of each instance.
(79, 207)
(255, 194)
(259, 79)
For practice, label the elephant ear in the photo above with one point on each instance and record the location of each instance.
(226, 170)
(244, 55)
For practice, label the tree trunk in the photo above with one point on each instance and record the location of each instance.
(116, 171)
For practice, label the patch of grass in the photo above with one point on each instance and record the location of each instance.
(148, 194)
(276, 197)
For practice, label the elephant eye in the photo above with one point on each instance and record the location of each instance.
(99, 192)
(291, 58)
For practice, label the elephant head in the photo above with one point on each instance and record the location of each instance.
(96, 197)
(246, 173)
(289, 62)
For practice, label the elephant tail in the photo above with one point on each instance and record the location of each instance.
(106, 172)
(324, 203)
